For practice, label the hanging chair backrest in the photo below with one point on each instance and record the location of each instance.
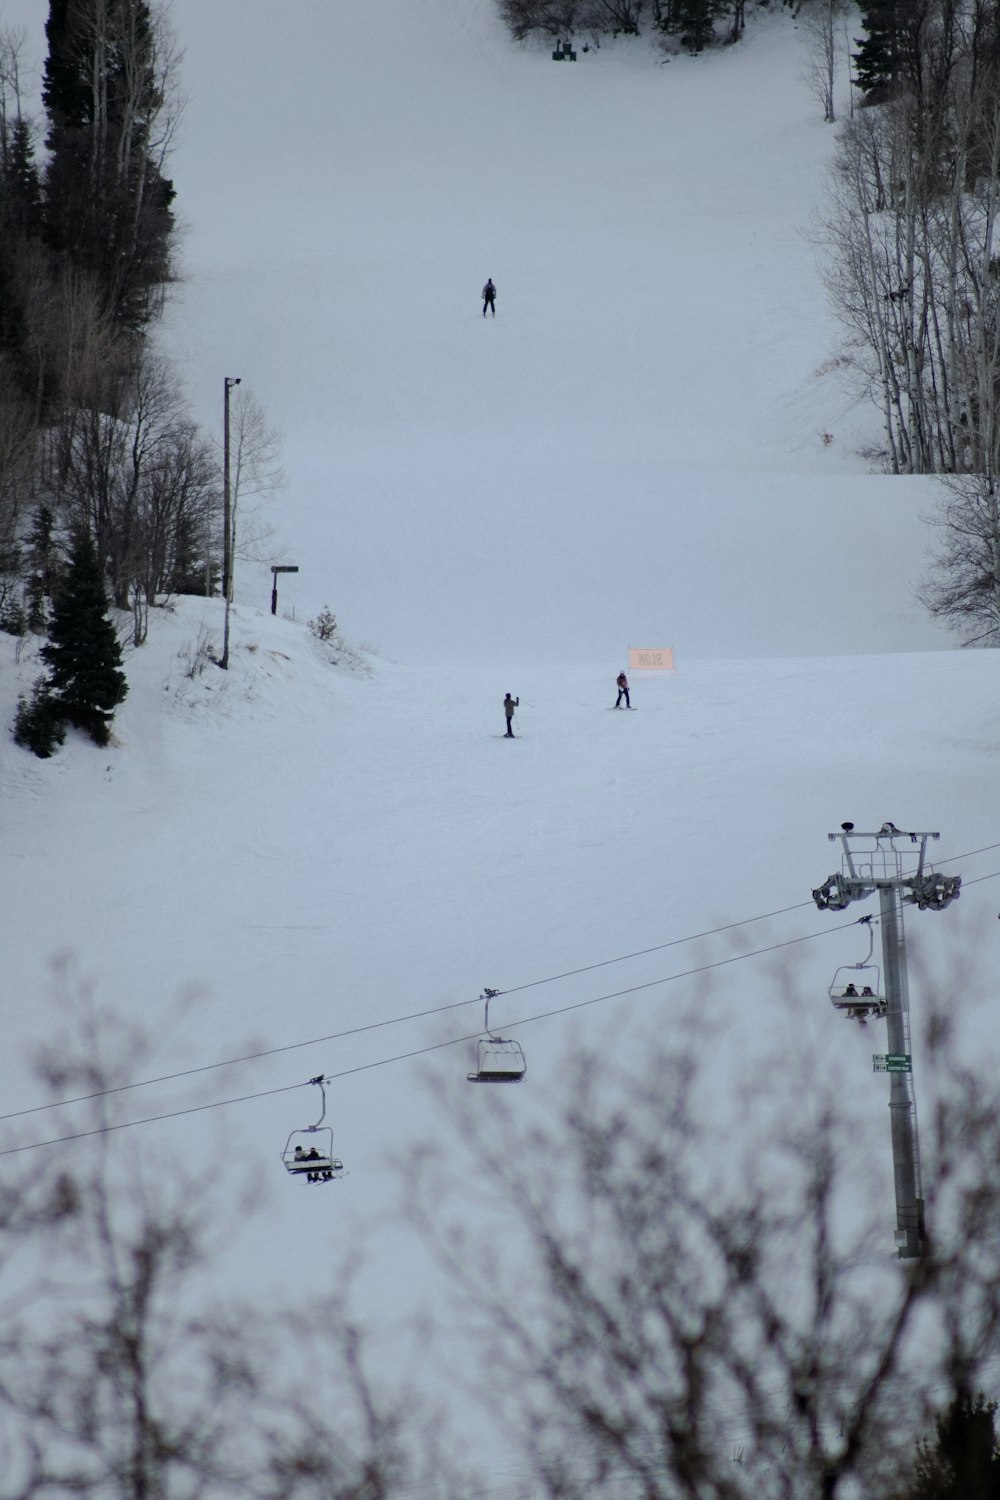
(499, 1060)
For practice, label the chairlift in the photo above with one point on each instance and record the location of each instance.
(308, 1152)
(857, 988)
(498, 1059)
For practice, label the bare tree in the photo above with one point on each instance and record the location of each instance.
(912, 232)
(122, 1377)
(962, 587)
(652, 1299)
(13, 41)
(822, 21)
(256, 475)
(255, 472)
(553, 17)
(126, 462)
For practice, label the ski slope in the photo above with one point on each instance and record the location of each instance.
(632, 452)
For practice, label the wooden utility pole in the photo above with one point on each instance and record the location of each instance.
(227, 522)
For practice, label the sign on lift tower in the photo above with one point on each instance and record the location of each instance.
(894, 864)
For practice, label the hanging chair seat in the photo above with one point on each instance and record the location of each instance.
(309, 1153)
(499, 1060)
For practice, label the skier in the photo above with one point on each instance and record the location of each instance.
(509, 705)
(622, 685)
(489, 297)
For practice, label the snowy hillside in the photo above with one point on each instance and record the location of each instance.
(632, 452)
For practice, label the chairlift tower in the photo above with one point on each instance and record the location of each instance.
(894, 864)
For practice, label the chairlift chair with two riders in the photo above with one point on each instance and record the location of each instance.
(308, 1152)
(857, 988)
(498, 1059)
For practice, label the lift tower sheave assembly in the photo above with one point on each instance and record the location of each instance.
(894, 864)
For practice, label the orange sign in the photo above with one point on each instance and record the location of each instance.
(649, 659)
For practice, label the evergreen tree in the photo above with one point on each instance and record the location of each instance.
(107, 204)
(83, 653)
(13, 326)
(694, 22)
(963, 1462)
(38, 724)
(22, 189)
(42, 570)
(885, 52)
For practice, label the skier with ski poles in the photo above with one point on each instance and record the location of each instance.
(622, 685)
(509, 705)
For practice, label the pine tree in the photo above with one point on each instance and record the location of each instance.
(38, 724)
(963, 1463)
(885, 53)
(22, 189)
(107, 204)
(41, 568)
(83, 653)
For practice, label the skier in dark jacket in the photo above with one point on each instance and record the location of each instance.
(509, 705)
(622, 685)
(489, 297)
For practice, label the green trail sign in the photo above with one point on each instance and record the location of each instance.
(892, 1062)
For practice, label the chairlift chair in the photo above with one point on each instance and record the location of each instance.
(498, 1059)
(308, 1152)
(857, 991)
(857, 988)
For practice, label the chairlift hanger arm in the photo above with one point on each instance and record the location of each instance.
(321, 1081)
(487, 996)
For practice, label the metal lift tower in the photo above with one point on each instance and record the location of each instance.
(893, 863)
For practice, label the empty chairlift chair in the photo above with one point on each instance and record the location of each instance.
(498, 1059)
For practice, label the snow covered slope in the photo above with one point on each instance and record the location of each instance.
(634, 449)
(631, 452)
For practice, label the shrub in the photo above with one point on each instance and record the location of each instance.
(38, 724)
(324, 627)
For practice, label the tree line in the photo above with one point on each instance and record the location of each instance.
(914, 272)
(96, 441)
(909, 237)
(692, 24)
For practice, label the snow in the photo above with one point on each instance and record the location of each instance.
(295, 853)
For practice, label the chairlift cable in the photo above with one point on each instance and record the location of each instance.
(194, 1109)
(418, 1015)
(441, 1009)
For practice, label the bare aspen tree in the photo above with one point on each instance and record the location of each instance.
(962, 586)
(13, 41)
(125, 461)
(256, 474)
(913, 268)
(823, 23)
(251, 468)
